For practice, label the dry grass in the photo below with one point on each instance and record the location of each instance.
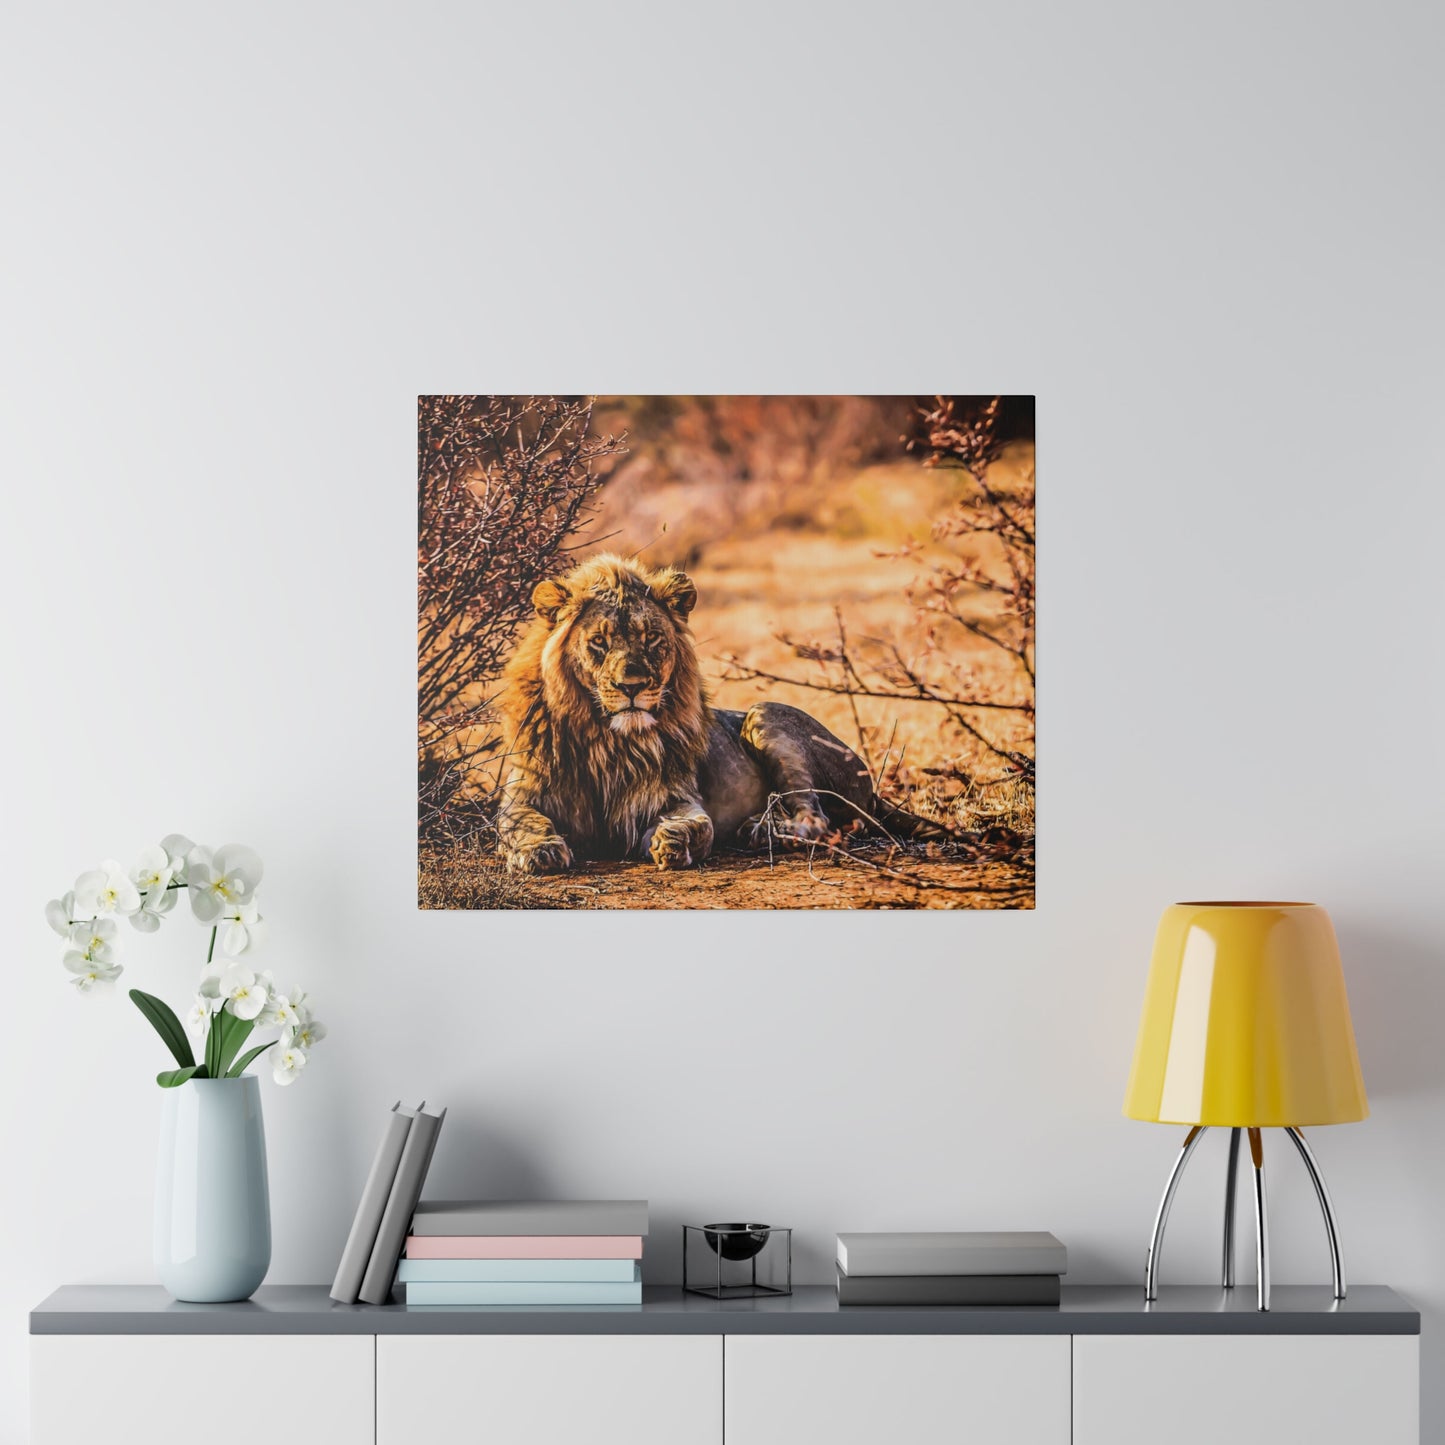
(457, 876)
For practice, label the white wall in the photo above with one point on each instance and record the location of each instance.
(237, 248)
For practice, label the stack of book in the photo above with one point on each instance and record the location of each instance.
(489, 1252)
(971, 1268)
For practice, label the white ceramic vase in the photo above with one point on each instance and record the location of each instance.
(213, 1211)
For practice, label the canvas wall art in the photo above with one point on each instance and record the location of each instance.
(726, 652)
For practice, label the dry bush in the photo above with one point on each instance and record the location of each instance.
(970, 804)
(449, 877)
(975, 662)
(503, 482)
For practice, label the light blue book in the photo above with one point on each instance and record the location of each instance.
(519, 1271)
(557, 1292)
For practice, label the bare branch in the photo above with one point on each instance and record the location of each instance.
(503, 485)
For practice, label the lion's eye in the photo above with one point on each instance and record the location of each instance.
(597, 647)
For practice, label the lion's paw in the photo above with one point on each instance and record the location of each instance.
(670, 848)
(806, 825)
(550, 857)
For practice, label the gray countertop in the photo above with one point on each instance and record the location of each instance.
(1086, 1310)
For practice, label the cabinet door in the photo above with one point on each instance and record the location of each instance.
(1246, 1389)
(548, 1390)
(220, 1389)
(897, 1389)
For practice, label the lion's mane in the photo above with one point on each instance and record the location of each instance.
(602, 787)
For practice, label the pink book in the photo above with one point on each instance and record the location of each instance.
(524, 1246)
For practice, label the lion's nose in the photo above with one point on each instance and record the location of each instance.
(631, 689)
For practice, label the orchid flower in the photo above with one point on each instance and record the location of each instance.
(95, 939)
(178, 849)
(307, 1035)
(59, 913)
(156, 904)
(88, 972)
(286, 1063)
(244, 993)
(217, 882)
(154, 870)
(152, 877)
(242, 929)
(106, 889)
(280, 1011)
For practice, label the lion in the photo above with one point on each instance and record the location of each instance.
(617, 753)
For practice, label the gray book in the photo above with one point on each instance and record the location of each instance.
(957, 1252)
(356, 1254)
(948, 1289)
(539, 1217)
(421, 1140)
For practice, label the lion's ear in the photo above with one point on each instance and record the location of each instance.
(549, 598)
(676, 591)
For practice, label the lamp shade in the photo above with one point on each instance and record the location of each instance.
(1246, 1023)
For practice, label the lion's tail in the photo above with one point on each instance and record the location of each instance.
(903, 824)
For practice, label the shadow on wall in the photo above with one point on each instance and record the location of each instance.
(477, 1159)
(1397, 999)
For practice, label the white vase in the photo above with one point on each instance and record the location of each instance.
(213, 1211)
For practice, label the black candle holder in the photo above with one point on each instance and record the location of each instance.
(737, 1261)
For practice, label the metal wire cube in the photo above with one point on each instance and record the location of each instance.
(737, 1261)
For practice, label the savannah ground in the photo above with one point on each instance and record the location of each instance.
(734, 879)
(779, 569)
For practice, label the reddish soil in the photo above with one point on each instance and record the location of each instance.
(740, 880)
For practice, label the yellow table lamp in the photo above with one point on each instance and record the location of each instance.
(1246, 1026)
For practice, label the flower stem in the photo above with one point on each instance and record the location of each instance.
(210, 952)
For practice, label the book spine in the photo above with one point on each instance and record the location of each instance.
(551, 1246)
(356, 1254)
(958, 1290)
(862, 1259)
(405, 1191)
(539, 1293)
(519, 1271)
(510, 1220)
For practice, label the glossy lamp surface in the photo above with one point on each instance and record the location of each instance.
(1246, 1023)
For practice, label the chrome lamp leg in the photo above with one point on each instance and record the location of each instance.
(1261, 1219)
(1230, 1181)
(1156, 1239)
(1332, 1231)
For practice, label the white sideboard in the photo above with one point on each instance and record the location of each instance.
(1204, 1389)
(221, 1389)
(922, 1389)
(127, 1366)
(628, 1389)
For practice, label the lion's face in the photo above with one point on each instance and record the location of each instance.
(619, 639)
(624, 655)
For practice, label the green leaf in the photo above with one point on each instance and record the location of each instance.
(166, 1024)
(213, 1043)
(234, 1032)
(173, 1078)
(249, 1058)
